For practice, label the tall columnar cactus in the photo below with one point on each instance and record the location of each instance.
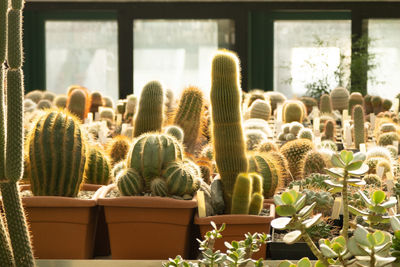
(268, 169)
(295, 151)
(359, 129)
(376, 102)
(355, 98)
(150, 154)
(60, 101)
(129, 107)
(96, 101)
(98, 168)
(150, 114)
(228, 139)
(329, 130)
(260, 109)
(293, 111)
(188, 116)
(77, 103)
(368, 104)
(12, 138)
(325, 104)
(57, 155)
(118, 149)
(340, 98)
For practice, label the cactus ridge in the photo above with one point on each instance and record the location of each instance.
(129, 182)
(98, 168)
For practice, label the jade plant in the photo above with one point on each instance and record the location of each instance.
(304, 262)
(346, 172)
(238, 253)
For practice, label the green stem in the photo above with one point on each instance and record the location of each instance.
(17, 227)
(372, 262)
(312, 246)
(345, 228)
(6, 257)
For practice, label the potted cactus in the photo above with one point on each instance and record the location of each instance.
(150, 206)
(242, 188)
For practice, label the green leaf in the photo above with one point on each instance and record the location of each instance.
(338, 248)
(346, 156)
(390, 203)
(359, 156)
(354, 249)
(357, 212)
(383, 261)
(327, 251)
(285, 210)
(300, 202)
(335, 172)
(360, 235)
(292, 237)
(304, 262)
(307, 210)
(319, 264)
(313, 221)
(288, 198)
(280, 223)
(364, 197)
(395, 223)
(354, 166)
(378, 196)
(337, 162)
(379, 237)
(333, 183)
(340, 239)
(285, 263)
(362, 170)
(278, 200)
(371, 240)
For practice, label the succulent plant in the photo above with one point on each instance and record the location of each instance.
(108, 102)
(77, 103)
(260, 109)
(98, 168)
(329, 130)
(323, 200)
(229, 149)
(149, 117)
(275, 99)
(159, 187)
(305, 133)
(35, 95)
(372, 179)
(325, 104)
(386, 104)
(293, 110)
(386, 139)
(254, 138)
(118, 167)
(359, 129)
(313, 162)
(175, 131)
(340, 98)
(60, 101)
(266, 166)
(129, 108)
(355, 99)
(96, 101)
(329, 144)
(309, 102)
(368, 104)
(387, 127)
(179, 178)
(376, 102)
(29, 105)
(44, 104)
(107, 114)
(244, 201)
(129, 182)
(379, 152)
(314, 180)
(267, 146)
(49, 96)
(295, 151)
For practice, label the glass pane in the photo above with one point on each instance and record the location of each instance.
(84, 53)
(307, 53)
(178, 52)
(384, 79)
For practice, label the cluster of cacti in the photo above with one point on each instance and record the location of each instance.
(98, 167)
(267, 146)
(188, 116)
(359, 129)
(313, 162)
(175, 131)
(340, 98)
(314, 180)
(247, 194)
(355, 99)
(325, 104)
(228, 139)
(293, 110)
(15, 245)
(295, 151)
(290, 131)
(260, 109)
(149, 116)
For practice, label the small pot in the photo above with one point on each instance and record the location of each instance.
(142, 227)
(237, 226)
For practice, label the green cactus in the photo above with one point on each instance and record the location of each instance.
(256, 204)
(29, 105)
(107, 114)
(309, 102)
(295, 151)
(387, 127)
(254, 138)
(108, 102)
(355, 99)
(368, 104)
(44, 104)
(130, 106)
(359, 129)
(275, 98)
(76, 104)
(376, 102)
(150, 153)
(260, 109)
(305, 133)
(386, 104)
(293, 111)
(60, 101)
(150, 114)
(188, 116)
(329, 144)
(97, 170)
(118, 148)
(11, 144)
(159, 187)
(313, 162)
(325, 104)
(35, 95)
(228, 139)
(372, 179)
(253, 95)
(49, 96)
(129, 182)
(242, 194)
(282, 166)
(96, 101)
(118, 167)
(267, 146)
(266, 167)
(179, 178)
(121, 105)
(329, 130)
(340, 98)
(175, 131)
(387, 138)
(257, 183)
(56, 155)
(385, 164)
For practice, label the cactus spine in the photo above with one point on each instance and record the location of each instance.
(188, 115)
(359, 130)
(56, 155)
(97, 170)
(229, 145)
(295, 151)
(149, 117)
(12, 137)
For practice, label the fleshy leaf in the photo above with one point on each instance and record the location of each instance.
(292, 237)
(288, 198)
(327, 251)
(285, 210)
(304, 262)
(378, 196)
(362, 170)
(280, 223)
(354, 166)
(313, 221)
(337, 162)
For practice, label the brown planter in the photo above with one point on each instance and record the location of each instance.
(148, 227)
(62, 227)
(237, 226)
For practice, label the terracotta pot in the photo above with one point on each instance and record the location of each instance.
(62, 227)
(237, 226)
(148, 227)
